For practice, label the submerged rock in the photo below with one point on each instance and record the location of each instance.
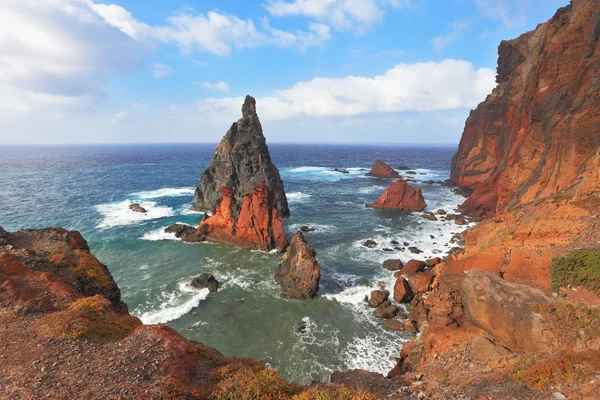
(370, 243)
(243, 189)
(382, 170)
(135, 207)
(299, 273)
(306, 229)
(341, 171)
(206, 281)
(400, 196)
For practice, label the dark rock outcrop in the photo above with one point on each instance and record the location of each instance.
(135, 207)
(537, 133)
(205, 281)
(299, 273)
(185, 232)
(243, 189)
(382, 170)
(400, 196)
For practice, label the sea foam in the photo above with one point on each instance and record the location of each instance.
(164, 192)
(118, 214)
(170, 312)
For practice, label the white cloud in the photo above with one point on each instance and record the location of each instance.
(341, 14)
(212, 32)
(220, 86)
(161, 70)
(512, 14)
(457, 28)
(58, 53)
(420, 87)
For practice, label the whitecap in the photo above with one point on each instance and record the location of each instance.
(318, 228)
(297, 196)
(168, 312)
(118, 214)
(159, 234)
(165, 192)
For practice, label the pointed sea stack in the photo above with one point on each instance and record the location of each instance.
(382, 170)
(299, 273)
(243, 190)
(400, 196)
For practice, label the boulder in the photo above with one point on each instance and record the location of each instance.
(504, 310)
(460, 221)
(341, 171)
(415, 250)
(185, 232)
(378, 297)
(370, 243)
(400, 196)
(429, 216)
(386, 312)
(433, 261)
(393, 264)
(382, 170)
(411, 268)
(409, 326)
(420, 282)
(393, 324)
(402, 291)
(206, 281)
(135, 207)
(306, 229)
(441, 212)
(299, 273)
(243, 190)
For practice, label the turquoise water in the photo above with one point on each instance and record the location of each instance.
(89, 189)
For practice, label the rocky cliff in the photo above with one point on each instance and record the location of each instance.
(243, 189)
(538, 132)
(66, 334)
(299, 272)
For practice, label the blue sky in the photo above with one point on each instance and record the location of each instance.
(368, 71)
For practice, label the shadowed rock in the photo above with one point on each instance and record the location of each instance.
(299, 273)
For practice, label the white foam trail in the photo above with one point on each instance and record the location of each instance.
(297, 196)
(318, 228)
(169, 313)
(118, 214)
(159, 234)
(165, 192)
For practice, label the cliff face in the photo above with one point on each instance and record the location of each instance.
(243, 189)
(299, 272)
(538, 132)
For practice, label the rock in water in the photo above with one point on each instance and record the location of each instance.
(299, 273)
(536, 134)
(382, 170)
(400, 196)
(135, 207)
(243, 189)
(206, 281)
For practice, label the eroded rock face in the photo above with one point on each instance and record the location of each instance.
(382, 170)
(243, 190)
(299, 273)
(537, 133)
(400, 196)
(503, 310)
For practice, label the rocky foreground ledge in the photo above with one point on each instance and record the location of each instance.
(65, 333)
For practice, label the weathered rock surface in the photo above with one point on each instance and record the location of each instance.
(537, 132)
(400, 196)
(206, 281)
(402, 291)
(243, 189)
(503, 310)
(135, 207)
(393, 264)
(299, 273)
(382, 170)
(378, 297)
(186, 233)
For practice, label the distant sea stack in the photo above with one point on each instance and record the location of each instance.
(299, 273)
(382, 170)
(538, 132)
(243, 190)
(400, 196)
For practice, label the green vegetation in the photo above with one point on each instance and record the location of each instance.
(578, 268)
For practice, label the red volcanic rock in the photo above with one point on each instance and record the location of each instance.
(400, 196)
(537, 133)
(243, 190)
(410, 268)
(504, 310)
(299, 273)
(259, 224)
(382, 170)
(402, 291)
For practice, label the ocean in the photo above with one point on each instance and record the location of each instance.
(89, 188)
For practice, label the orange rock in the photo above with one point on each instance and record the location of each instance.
(258, 226)
(400, 196)
(402, 291)
(382, 170)
(536, 133)
(420, 282)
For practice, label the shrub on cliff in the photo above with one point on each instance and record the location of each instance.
(578, 268)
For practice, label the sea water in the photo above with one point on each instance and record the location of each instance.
(89, 189)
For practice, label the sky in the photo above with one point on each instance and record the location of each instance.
(322, 71)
